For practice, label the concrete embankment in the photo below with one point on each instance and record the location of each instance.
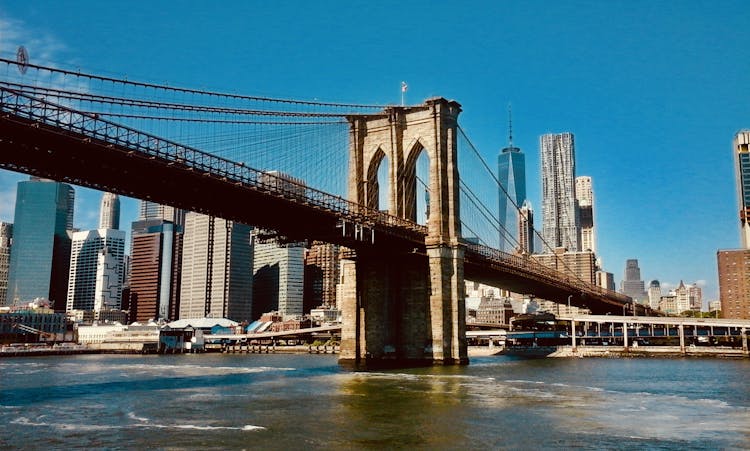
(481, 351)
(641, 351)
(21, 351)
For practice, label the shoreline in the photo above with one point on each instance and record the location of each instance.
(472, 351)
(630, 352)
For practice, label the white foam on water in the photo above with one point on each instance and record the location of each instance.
(133, 416)
(195, 370)
(647, 415)
(62, 426)
(143, 423)
(247, 427)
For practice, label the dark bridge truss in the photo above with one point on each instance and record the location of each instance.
(56, 142)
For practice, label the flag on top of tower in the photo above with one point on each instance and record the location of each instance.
(403, 86)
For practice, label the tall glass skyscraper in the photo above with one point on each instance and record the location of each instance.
(560, 216)
(278, 278)
(741, 147)
(511, 172)
(40, 259)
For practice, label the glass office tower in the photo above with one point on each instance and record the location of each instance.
(511, 164)
(40, 259)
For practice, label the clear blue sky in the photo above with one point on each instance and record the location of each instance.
(653, 91)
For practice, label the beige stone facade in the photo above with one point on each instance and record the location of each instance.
(406, 307)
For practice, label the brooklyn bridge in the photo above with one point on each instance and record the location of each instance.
(401, 188)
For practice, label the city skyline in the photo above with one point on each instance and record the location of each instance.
(657, 87)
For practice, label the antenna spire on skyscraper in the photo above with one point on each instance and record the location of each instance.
(510, 126)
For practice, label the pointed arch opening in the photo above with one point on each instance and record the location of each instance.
(417, 185)
(377, 176)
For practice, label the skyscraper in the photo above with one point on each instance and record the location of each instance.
(585, 197)
(40, 258)
(633, 286)
(734, 283)
(560, 220)
(654, 294)
(321, 275)
(741, 147)
(217, 264)
(511, 172)
(278, 278)
(152, 210)
(579, 265)
(6, 236)
(109, 211)
(156, 257)
(85, 254)
(108, 288)
(526, 233)
(695, 295)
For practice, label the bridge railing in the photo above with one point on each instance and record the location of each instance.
(94, 127)
(530, 266)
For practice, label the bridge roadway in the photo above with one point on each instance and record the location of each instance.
(52, 141)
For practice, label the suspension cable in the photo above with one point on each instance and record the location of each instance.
(189, 90)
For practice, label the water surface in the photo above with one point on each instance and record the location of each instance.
(308, 402)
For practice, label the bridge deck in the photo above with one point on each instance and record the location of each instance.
(52, 141)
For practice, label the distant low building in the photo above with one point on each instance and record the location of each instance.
(31, 324)
(494, 311)
(325, 315)
(96, 333)
(668, 304)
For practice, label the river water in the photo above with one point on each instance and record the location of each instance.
(215, 401)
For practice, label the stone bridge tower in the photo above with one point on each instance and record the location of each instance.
(403, 307)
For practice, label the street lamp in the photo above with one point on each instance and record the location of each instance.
(569, 296)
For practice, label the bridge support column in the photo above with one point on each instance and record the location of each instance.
(681, 331)
(447, 306)
(743, 337)
(405, 309)
(384, 310)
